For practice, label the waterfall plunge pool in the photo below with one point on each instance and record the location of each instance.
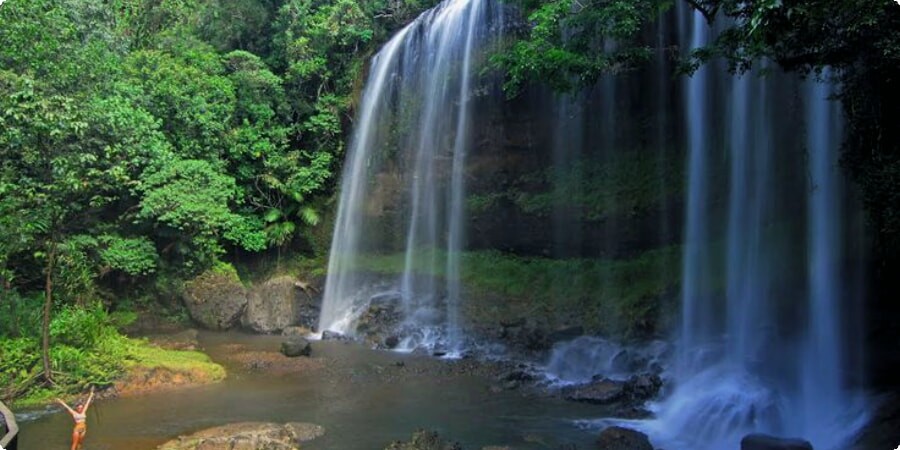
(362, 397)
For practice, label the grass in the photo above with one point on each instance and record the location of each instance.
(145, 356)
(628, 298)
(87, 350)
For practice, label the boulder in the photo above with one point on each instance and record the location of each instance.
(215, 300)
(279, 303)
(619, 438)
(296, 346)
(765, 442)
(391, 341)
(329, 335)
(380, 320)
(248, 436)
(524, 335)
(517, 374)
(643, 387)
(424, 440)
(601, 392)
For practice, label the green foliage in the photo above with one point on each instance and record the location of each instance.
(134, 256)
(151, 357)
(226, 269)
(627, 298)
(192, 197)
(87, 350)
(571, 43)
(627, 184)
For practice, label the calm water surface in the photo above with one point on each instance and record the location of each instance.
(361, 397)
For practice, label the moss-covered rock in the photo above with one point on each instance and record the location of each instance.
(424, 440)
(248, 436)
(216, 299)
(153, 369)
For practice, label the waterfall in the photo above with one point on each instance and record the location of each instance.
(828, 408)
(761, 347)
(693, 289)
(752, 356)
(414, 128)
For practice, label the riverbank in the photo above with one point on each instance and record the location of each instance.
(363, 398)
(146, 367)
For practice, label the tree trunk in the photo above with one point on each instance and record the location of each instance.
(48, 304)
(13, 314)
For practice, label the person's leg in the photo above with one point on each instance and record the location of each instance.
(76, 439)
(81, 437)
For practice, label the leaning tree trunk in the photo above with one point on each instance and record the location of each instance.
(13, 312)
(48, 304)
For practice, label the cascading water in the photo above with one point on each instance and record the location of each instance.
(764, 362)
(761, 348)
(416, 104)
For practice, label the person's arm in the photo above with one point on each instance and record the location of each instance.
(64, 405)
(87, 404)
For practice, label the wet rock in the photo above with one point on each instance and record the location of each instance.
(524, 335)
(565, 334)
(392, 342)
(248, 436)
(273, 305)
(215, 300)
(424, 440)
(380, 320)
(329, 335)
(766, 442)
(619, 438)
(881, 431)
(516, 374)
(296, 331)
(643, 387)
(601, 392)
(296, 346)
(632, 412)
(629, 361)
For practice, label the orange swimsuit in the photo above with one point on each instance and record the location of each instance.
(80, 423)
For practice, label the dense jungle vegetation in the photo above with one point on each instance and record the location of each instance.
(145, 141)
(142, 141)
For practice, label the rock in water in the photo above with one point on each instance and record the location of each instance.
(329, 335)
(619, 438)
(424, 440)
(766, 442)
(248, 436)
(296, 331)
(601, 392)
(296, 346)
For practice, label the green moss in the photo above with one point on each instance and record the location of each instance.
(628, 298)
(143, 355)
(630, 183)
(226, 269)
